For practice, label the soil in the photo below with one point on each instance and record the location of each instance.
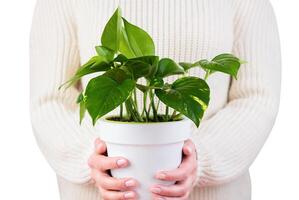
(125, 119)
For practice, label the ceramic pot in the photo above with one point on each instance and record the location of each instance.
(150, 147)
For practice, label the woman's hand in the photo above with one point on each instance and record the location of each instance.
(184, 176)
(109, 187)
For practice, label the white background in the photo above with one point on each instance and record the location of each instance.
(24, 173)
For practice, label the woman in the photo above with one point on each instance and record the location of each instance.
(236, 125)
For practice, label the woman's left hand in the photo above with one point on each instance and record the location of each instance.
(184, 175)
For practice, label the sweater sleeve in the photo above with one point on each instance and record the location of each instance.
(229, 141)
(54, 57)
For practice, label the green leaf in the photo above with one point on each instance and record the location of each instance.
(80, 98)
(106, 92)
(82, 110)
(138, 41)
(95, 64)
(136, 69)
(124, 46)
(142, 88)
(82, 107)
(186, 66)
(106, 53)
(112, 31)
(226, 63)
(157, 82)
(117, 75)
(145, 66)
(188, 95)
(120, 58)
(168, 67)
(101, 66)
(152, 61)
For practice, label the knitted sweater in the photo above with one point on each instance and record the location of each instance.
(241, 112)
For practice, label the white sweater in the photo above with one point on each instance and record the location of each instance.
(241, 112)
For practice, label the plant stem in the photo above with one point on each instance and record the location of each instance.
(166, 112)
(121, 112)
(130, 105)
(149, 110)
(135, 99)
(130, 117)
(173, 114)
(207, 75)
(145, 107)
(153, 105)
(136, 111)
(158, 104)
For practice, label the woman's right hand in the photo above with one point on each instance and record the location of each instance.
(109, 187)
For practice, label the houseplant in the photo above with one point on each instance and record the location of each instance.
(144, 135)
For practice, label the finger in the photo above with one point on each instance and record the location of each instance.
(180, 189)
(188, 148)
(109, 183)
(104, 163)
(100, 146)
(115, 195)
(179, 174)
(186, 168)
(97, 141)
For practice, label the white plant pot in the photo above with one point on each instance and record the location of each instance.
(150, 147)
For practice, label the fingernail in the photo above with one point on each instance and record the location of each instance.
(161, 175)
(98, 146)
(156, 190)
(189, 150)
(129, 195)
(97, 141)
(130, 183)
(121, 162)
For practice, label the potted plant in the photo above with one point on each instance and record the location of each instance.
(142, 134)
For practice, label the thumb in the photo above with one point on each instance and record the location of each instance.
(188, 148)
(100, 146)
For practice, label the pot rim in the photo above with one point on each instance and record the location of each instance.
(144, 133)
(184, 119)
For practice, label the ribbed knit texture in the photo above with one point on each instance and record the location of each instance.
(241, 112)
